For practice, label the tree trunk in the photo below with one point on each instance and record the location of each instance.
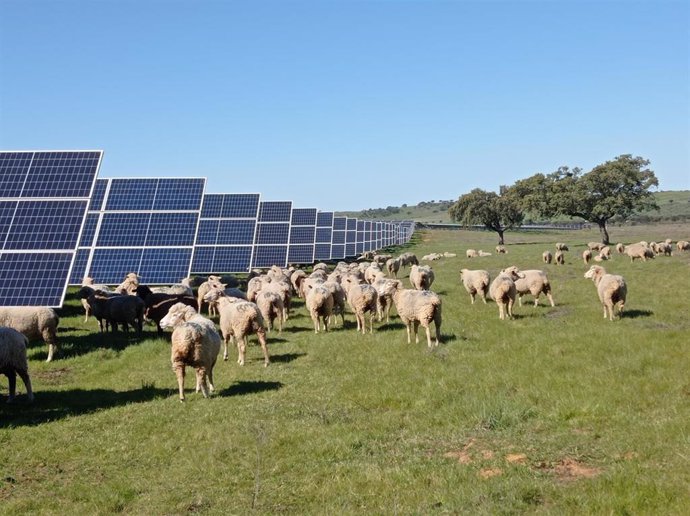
(500, 236)
(604, 232)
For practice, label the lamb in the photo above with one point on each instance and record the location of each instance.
(503, 291)
(319, 302)
(13, 361)
(271, 307)
(125, 309)
(238, 320)
(683, 245)
(421, 277)
(587, 256)
(561, 247)
(362, 298)
(393, 266)
(560, 258)
(611, 288)
(195, 343)
(547, 257)
(471, 253)
(385, 288)
(204, 288)
(639, 251)
(475, 282)
(34, 322)
(500, 249)
(157, 304)
(417, 307)
(534, 282)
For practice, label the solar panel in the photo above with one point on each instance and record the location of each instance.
(351, 237)
(44, 196)
(302, 235)
(227, 228)
(143, 225)
(338, 238)
(272, 234)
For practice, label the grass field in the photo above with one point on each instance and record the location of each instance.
(557, 411)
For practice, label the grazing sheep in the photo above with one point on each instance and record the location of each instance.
(560, 258)
(683, 245)
(320, 266)
(664, 249)
(639, 250)
(417, 307)
(421, 277)
(587, 256)
(475, 282)
(547, 257)
(611, 288)
(620, 248)
(407, 259)
(34, 322)
(271, 307)
(385, 288)
(503, 291)
(319, 303)
(471, 253)
(501, 249)
(13, 361)
(534, 282)
(605, 253)
(393, 266)
(157, 304)
(561, 247)
(381, 259)
(362, 298)
(238, 320)
(124, 309)
(595, 246)
(195, 343)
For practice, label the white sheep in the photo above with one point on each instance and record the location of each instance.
(271, 306)
(471, 253)
(362, 298)
(178, 289)
(372, 272)
(547, 257)
(587, 256)
(417, 307)
(595, 246)
(238, 320)
(683, 245)
(500, 249)
(664, 249)
(13, 361)
(533, 282)
(385, 288)
(34, 322)
(620, 248)
(560, 246)
(407, 259)
(559, 258)
(195, 343)
(296, 279)
(482, 254)
(605, 253)
(611, 288)
(421, 277)
(339, 298)
(475, 282)
(503, 291)
(129, 284)
(319, 303)
(393, 266)
(639, 251)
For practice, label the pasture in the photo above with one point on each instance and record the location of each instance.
(557, 411)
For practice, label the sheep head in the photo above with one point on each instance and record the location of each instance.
(595, 273)
(177, 314)
(513, 273)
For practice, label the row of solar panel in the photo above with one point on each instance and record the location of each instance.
(163, 228)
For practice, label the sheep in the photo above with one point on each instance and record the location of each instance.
(371, 272)
(381, 259)
(238, 320)
(664, 249)
(501, 249)
(129, 284)
(362, 298)
(446, 254)
(13, 361)
(417, 307)
(385, 288)
(683, 245)
(271, 307)
(640, 251)
(34, 322)
(421, 277)
(560, 258)
(471, 253)
(195, 343)
(475, 282)
(547, 257)
(483, 253)
(393, 266)
(407, 259)
(432, 257)
(560, 246)
(611, 288)
(296, 279)
(320, 266)
(534, 282)
(503, 290)
(595, 246)
(124, 309)
(284, 290)
(620, 248)
(178, 289)
(157, 304)
(605, 253)
(339, 297)
(89, 282)
(587, 256)
(319, 303)
(203, 289)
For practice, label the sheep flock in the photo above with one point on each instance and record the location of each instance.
(355, 297)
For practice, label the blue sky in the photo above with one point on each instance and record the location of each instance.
(347, 105)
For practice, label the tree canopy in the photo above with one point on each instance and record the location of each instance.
(616, 188)
(496, 212)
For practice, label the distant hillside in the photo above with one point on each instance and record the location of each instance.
(674, 206)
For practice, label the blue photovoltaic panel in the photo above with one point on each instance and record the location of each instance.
(131, 194)
(7, 209)
(203, 260)
(212, 206)
(303, 217)
(44, 225)
(351, 224)
(79, 267)
(324, 219)
(272, 234)
(337, 252)
(14, 167)
(269, 255)
(301, 254)
(322, 252)
(183, 194)
(232, 259)
(207, 233)
(338, 237)
(96, 203)
(123, 230)
(339, 223)
(61, 174)
(163, 265)
(275, 211)
(34, 279)
(112, 265)
(172, 229)
(89, 231)
(237, 232)
(323, 235)
(302, 234)
(240, 206)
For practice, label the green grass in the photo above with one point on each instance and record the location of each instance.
(596, 412)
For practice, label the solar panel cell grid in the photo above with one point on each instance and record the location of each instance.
(272, 234)
(236, 232)
(63, 174)
(13, 169)
(240, 206)
(303, 217)
(46, 225)
(267, 255)
(324, 219)
(275, 211)
(33, 279)
(302, 234)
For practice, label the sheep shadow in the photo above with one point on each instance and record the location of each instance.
(78, 345)
(252, 387)
(55, 405)
(286, 357)
(634, 314)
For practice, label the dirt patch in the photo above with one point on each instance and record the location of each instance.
(569, 469)
(516, 458)
(462, 456)
(489, 473)
(52, 375)
(558, 312)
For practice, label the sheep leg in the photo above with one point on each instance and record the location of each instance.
(428, 336)
(179, 372)
(12, 379)
(501, 311)
(241, 349)
(415, 328)
(201, 381)
(24, 375)
(510, 308)
(264, 347)
(548, 294)
(472, 297)
(407, 328)
(209, 379)
(520, 299)
(605, 312)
